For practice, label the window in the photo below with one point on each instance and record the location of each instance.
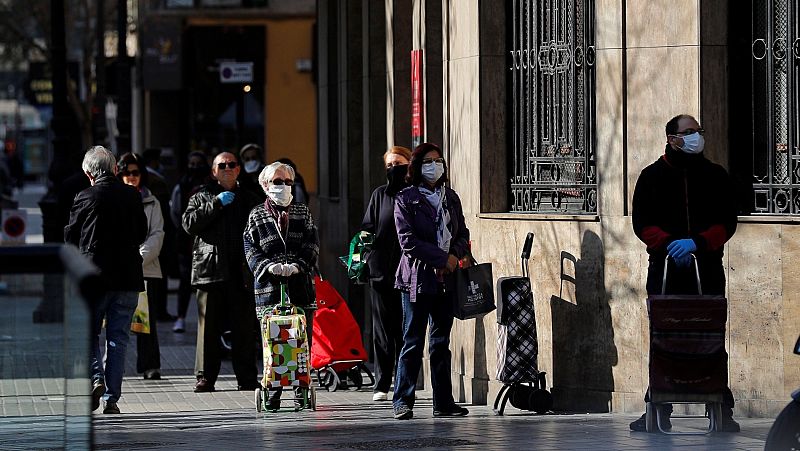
(552, 111)
(775, 52)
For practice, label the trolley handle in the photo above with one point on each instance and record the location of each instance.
(526, 253)
(526, 248)
(696, 273)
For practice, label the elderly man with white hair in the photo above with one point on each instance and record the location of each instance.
(107, 223)
(281, 244)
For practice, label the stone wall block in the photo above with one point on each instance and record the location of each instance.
(754, 313)
(790, 249)
(659, 23)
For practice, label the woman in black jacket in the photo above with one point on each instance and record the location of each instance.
(387, 310)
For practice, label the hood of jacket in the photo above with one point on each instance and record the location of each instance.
(147, 196)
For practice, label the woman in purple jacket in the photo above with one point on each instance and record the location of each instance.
(433, 238)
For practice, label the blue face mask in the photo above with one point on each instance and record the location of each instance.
(693, 144)
(432, 172)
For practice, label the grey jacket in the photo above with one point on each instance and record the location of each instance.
(151, 248)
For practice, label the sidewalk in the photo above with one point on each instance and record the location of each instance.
(167, 415)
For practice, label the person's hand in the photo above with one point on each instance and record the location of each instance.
(465, 262)
(290, 269)
(275, 269)
(226, 197)
(681, 248)
(452, 263)
(683, 262)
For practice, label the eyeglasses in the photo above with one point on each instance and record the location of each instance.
(690, 131)
(133, 173)
(433, 160)
(229, 165)
(287, 182)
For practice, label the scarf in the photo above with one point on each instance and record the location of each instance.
(436, 199)
(281, 216)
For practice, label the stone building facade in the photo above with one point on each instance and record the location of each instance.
(547, 112)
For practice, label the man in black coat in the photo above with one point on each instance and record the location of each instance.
(107, 223)
(216, 216)
(682, 205)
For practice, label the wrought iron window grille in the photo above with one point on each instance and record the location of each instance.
(775, 51)
(551, 81)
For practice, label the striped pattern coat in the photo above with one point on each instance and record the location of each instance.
(264, 245)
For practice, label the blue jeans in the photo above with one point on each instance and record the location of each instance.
(437, 311)
(117, 307)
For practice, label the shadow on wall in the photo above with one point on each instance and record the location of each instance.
(583, 336)
(480, 377)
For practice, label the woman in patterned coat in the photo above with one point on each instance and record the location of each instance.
(281, 244)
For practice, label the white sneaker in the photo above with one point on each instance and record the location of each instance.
(180, 326)
(380, 396)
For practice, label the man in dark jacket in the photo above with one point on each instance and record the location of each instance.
(216, 216)
(682, 205)
(107, 223)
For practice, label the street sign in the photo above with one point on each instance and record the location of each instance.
(232, 72)
(12, 226)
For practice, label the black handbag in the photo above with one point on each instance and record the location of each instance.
(471, 290)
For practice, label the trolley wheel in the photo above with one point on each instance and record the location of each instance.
(541, 401)
(650, 417)
(313, 398)
(334, 381)
(355, 375)
(259, 400)
(326, 379)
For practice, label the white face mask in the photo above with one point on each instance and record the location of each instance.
(432, 172)
(251, 166)
(280, 194)
(693, 144)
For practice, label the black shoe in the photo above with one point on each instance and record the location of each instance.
(640, 425)
(727, 423)
(98, 390)
(203, 386)
(274, 404)
(111, 407)
(452, 411)
(403, 413)
(152, 375)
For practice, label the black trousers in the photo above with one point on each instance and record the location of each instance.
(229, 299)
(684, 281)
(148, 354)
(185, 288)
(387, 332)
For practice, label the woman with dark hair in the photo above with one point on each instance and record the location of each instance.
(387, 308)
(433, 238)
(132, 172)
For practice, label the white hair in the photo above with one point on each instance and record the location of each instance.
(269, 171)
(98, 161)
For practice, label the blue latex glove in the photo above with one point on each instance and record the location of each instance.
(226, 197)
(681, 248)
